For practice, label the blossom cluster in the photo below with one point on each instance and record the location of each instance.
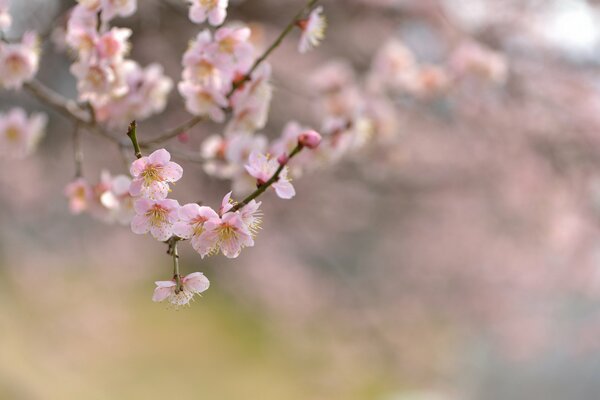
(117, 88)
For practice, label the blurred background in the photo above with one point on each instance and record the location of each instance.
(459, 258)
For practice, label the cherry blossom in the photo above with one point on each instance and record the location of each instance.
(213, 10)
(313, 30)
(156, 217)
(310, 139)
(19, 135)
(80, 195)
(152, 175)
(19, 61)
(205, 101)
(263, 168)
(194, 283)
(192, 218)
(229, 233)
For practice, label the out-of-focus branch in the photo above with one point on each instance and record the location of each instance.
(67, 108)
(174, 132)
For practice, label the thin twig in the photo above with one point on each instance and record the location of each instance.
(174, 132)
(273, 46)
(77, 151)
(131, 132)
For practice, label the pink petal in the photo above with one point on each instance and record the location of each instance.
(138, 166)
(135, 189)
(217, 16)
(284, 189)
(140, 224)
(197, 14)
(162, 293)
(162, 232)
(189, 211)
(160, 157)
(166, 284)
(172, 172)
(157, 190)
(196, 282)
(183, 230)
(205, 243)
(141, 206)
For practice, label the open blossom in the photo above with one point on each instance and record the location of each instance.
(5, 17)
(80, 195)
(152, 175)
(192, 218)
(194, 283)
(263, 168)
(20, 135)
(117, 200)
(201, 66)
(213, 10)
(229, 234)
(156, 217)
(19, 61)
(232, 48)
(203, 100)
(313, 30)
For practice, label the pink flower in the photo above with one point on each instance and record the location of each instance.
(156, 217)
(80, 195)
(232, 49)
(5, 17)
(118, 200)
(121, 8)
(20, 135)
(152, 175)
(203, 100)
(263, 168)
(310, 139)
(229, 233)
(194, 283)
(313, 30)
(19, 61)
(213, 10)
(191, 226)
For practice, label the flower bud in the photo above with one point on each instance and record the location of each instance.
(283, 159)
(310, 139)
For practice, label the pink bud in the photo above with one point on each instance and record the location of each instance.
(283, 159)
(310, 139)
(183, 137)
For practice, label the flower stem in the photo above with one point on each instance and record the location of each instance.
(131, 132)
(175, 255)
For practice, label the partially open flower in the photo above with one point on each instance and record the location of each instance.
(263, 168)
(213, 10)
(313, 30)
(194, 283)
